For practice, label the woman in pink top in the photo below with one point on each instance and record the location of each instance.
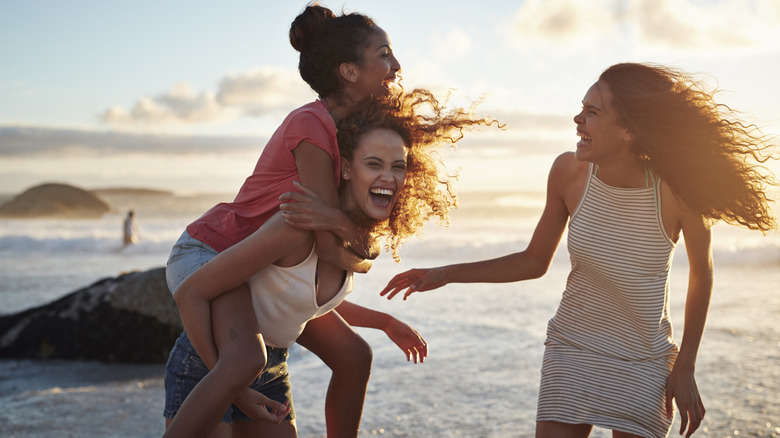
(391, 184)
(345, 59)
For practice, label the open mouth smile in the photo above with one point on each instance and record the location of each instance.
(388, 80)
(382, 196)
(585, 140)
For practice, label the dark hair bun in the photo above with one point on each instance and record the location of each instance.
(306, 25)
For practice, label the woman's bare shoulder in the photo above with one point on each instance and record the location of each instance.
(567, 167)
(567, 180)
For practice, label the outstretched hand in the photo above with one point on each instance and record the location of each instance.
(259, 407)
(681, 386)
(307, 210)
(414, 280)
(410, 342)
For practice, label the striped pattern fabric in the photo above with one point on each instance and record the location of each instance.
(609, 347)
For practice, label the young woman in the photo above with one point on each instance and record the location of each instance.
(345, 59)
(658, 158)
(390, 187)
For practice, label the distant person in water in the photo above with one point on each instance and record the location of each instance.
(130, 229)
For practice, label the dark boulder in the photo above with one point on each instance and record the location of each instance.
(130, 318)
(55, 200)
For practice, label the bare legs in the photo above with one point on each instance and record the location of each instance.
(241, 359)
(616, 434)
(552, 429)
(260, 429)
(223, 430)
(349, 358)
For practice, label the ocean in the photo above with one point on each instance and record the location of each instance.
(486, 340)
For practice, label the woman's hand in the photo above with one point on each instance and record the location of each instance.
(259, 407)
(308, 211)
(407, 338)
(414, 280)
(681, 386)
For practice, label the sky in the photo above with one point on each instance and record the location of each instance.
(182, 95)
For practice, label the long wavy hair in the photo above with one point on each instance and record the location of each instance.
(425, 125)
(710, 158)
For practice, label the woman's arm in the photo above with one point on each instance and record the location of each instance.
(531, 263)
(681, 385)
(307, 210)
(403, 335)
(227, 271)
(315, 169)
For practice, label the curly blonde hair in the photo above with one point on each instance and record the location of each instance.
(709, 156)
(425, 125)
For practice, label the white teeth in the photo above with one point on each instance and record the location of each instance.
(386, 192)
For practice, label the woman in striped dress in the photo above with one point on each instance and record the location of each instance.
(657, 158)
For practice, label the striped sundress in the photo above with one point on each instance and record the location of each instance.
(609, 347)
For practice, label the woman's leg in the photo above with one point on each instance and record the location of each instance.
(618, 434)
(349, 358)
(241, 359)
(262, 429)
(223, 430)
(554, 429)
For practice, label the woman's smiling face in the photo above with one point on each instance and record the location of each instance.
(380, 67)
(376, 174)
(602, 137)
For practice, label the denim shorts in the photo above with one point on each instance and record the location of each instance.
(188, 254)
(185, 369)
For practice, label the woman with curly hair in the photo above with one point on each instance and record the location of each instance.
(657, 158)
(390, 185)
(345, 59)
(424, 124)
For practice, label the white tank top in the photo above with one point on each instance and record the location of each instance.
(284, 299)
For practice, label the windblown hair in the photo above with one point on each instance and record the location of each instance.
(425, 126)
(326, 41)
(709, 157)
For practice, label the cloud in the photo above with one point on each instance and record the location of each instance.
(564, 21)
(680, 23)
(21, 141)
(524, 128)
(181, 105)
(429, 64)
(455, 43)
(669, 24)
(265, 91)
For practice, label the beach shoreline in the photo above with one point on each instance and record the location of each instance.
(485, 365)
(486, 340)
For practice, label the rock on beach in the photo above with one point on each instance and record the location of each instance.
(54, 200)
(131, 318)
